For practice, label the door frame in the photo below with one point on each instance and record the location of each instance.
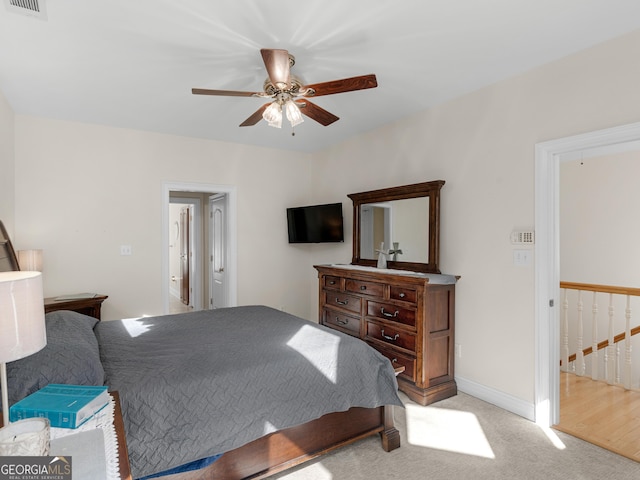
(548, 156)
(231, 235)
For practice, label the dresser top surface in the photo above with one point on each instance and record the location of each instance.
(433, 278)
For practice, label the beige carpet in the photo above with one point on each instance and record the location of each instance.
(465, 438)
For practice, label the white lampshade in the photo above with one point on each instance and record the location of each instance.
(273, 115)
(294, 115)
(30, 260)
(22, 327)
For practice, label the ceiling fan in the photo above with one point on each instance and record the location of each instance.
(289, 94)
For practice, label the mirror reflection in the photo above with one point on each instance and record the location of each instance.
(402, 221)
(399, 228)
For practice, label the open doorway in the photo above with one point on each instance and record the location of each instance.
(547, 316)
(187, 255)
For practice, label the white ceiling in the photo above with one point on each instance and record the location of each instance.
(132, 63)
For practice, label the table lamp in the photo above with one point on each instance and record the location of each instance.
(30, 260)
(22, 327)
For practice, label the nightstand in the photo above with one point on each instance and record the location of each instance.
(123, 453)
(85, 305)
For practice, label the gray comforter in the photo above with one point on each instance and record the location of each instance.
(202, 383)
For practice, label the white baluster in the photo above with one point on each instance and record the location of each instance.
(627, 345)
(580, 366)
(564, 354)
(594, 339)
(610, 352)
(617, 380)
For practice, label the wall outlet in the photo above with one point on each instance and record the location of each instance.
(458, 348)
(126, 250)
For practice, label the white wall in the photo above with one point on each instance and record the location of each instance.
(599, 227)
(83, 190)
(482, 145)
(7, 189)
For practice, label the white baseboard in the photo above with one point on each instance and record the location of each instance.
(497, 398)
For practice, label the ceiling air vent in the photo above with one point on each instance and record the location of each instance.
(32, 8)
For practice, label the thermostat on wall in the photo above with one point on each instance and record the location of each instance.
(523, 237)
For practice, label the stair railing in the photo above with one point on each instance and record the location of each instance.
(617, 370)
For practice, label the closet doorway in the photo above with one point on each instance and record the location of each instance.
(199, 247)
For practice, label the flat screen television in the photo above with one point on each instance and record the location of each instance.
(315, 223)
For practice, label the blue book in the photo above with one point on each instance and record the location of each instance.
(66, 406)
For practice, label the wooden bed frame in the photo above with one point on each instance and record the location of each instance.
(287, 448)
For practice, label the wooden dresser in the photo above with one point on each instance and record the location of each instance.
(407, 318)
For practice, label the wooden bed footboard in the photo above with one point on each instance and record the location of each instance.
(287, 448)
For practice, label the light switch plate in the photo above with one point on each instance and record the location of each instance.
(522, 258)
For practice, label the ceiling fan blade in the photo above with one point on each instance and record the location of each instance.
(255, 117)
(224, 93)
(340, 86)
(316, 113)
(277, 64)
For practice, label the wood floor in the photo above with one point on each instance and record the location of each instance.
(607, 416)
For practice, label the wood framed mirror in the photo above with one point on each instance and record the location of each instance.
(404, 220)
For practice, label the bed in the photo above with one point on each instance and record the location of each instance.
(233, 393)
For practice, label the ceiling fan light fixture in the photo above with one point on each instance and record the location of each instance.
(273, 115)
(293, 113)
(283, 87)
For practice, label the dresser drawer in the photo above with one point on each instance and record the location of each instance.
(391, 313)
(341, 300)
(365, 288)
(403, 293)
(331, 282)
(393, 336)
(400, 360)
(342, 322)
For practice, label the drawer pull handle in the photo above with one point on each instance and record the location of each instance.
(342, 322)
(332, 282)
(387, 337)
(395, 360)
(363, 287)
(402, 295)
(387, 314)
(341, 303)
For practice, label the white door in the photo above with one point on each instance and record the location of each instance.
(217, 251)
